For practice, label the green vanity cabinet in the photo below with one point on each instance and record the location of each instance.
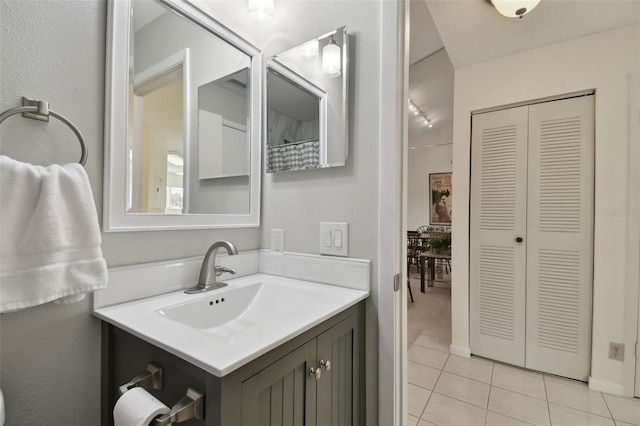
(281, 387)
(292, 392)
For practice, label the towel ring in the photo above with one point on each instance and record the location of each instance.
(42, 112)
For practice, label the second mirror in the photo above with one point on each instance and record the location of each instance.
(306, 105)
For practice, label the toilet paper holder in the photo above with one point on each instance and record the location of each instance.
(191, 406)
(150, 378)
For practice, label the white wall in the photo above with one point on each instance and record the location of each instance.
(601, 62)
(50, 355)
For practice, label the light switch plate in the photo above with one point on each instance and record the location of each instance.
(334, 243)
(277, 240)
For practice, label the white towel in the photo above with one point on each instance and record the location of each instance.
(49, 235)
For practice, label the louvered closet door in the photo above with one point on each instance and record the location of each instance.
(498, 217)
(559, 231)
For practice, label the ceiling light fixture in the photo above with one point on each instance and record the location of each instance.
(514, 8)
(331, 59)
(261, 12)
(419, 113)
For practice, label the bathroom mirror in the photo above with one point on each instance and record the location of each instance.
(182, 129)
(307, 105)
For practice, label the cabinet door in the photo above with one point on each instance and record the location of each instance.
(337, 402)
(498, 219)
(282, 394)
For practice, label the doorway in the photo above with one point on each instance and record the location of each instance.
(428, 192)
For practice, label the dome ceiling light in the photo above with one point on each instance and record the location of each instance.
(514, 8)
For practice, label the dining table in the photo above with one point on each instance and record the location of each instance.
(426, 256)
(430, 258)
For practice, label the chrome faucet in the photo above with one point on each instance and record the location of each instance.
(209, 271)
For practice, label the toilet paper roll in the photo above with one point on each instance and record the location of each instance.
(137, 407)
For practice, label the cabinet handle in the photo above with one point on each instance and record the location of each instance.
(326, 364)
(317, 373)
(519, 239)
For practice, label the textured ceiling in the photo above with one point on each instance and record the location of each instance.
(473, 31)
(424, 39)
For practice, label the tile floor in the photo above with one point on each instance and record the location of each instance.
(448, 390)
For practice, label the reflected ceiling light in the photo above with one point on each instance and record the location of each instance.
(419, 113)
(514, 8)
(310, 49)
(331, 59)
(175, 159)
(261, 12)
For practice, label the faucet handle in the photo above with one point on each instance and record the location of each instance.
(222, 269)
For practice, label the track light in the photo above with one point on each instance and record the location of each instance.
(418, 113)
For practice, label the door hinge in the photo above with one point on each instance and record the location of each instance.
(396, 282)
(637, 349)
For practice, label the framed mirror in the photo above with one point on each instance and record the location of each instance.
(183, 122)
(307, 104)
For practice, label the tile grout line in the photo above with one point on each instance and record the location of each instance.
(546, 397)
(459, 400)
(578, 409)
(432, 392)
(511, 417)
(606, 404)
(433, 349)
(486, 411)
(520, 393)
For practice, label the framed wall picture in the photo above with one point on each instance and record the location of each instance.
(440, 191)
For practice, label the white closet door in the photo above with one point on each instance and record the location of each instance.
(559, 237)
(498, 217)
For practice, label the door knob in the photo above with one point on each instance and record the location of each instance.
(315, 372)
(519, 239)
(326, 364)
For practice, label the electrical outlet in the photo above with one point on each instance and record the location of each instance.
(616, 351)
(277, 240)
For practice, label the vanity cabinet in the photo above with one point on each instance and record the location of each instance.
(313, 385)
(280, 387)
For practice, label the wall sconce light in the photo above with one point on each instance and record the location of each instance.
(514, 8)
(261, 12)
(419, 113)
(310, 49)
(331, 59)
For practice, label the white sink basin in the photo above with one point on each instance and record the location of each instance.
(214, 308)
(221, 330)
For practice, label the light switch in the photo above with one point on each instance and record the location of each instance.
(337, 239)
(327, 239)
(334, 238)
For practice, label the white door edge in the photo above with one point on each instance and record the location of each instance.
(631, 366)
(391, 398)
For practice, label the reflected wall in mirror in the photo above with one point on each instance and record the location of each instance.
(307, 105)
(183, 120)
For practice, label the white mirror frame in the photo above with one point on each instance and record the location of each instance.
(115, 218)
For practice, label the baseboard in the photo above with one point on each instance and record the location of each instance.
(606, 387)
(463, 351)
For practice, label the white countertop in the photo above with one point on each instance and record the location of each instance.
(282, 309)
